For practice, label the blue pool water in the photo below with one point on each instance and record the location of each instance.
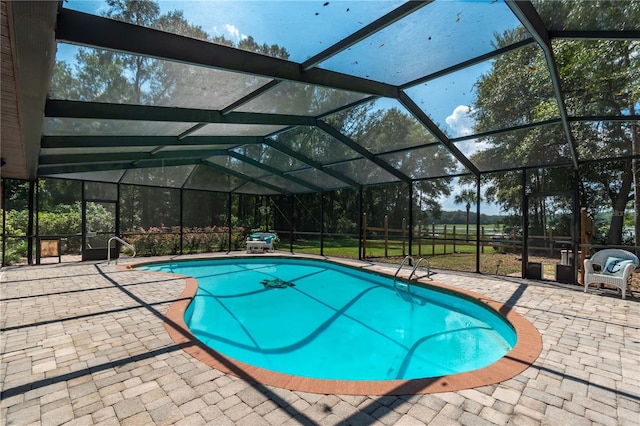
(321, 320)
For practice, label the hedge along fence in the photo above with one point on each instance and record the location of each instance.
(164, 240)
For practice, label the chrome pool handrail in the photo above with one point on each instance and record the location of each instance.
(417, 265)
(121, 241)
(413, 271)
(395, 277)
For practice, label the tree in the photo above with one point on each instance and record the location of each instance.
(599, 78)
(380, 130)
(467, 196)
(274, 50)
(609, 70)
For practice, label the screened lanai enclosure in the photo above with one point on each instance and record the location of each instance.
(493, 136)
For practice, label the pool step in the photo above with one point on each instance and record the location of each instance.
(402, 286)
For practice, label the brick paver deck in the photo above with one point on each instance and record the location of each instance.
(85, 343)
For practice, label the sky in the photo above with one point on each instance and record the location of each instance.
(307, 27)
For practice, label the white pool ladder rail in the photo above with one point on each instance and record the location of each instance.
(121, 241)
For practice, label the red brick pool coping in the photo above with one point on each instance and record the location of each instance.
(527, 349)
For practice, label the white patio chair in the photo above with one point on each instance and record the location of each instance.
(616, 266)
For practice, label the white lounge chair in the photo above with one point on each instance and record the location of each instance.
(616, 266)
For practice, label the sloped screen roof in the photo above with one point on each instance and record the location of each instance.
(272, 97)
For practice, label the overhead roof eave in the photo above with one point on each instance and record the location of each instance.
(30, 26)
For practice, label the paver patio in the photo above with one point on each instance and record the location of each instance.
(85, 343)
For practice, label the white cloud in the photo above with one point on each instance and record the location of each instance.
(461, 121)
(234, 32)
(471, 146)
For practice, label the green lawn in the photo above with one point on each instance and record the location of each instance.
(463, 259)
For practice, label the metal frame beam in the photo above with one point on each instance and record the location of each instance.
(530, 19)
(244, 177)
(507, 130)
(273, 171)
(623, 118)
(251, 96)
(46, 170)
(595, 34)
(435, 130)
(128, 141)
(334, 133)
(468, 63)
(105, 111)
(369, 29)
(110, 157)
(94, 31)
(629, 118)
(313, 164)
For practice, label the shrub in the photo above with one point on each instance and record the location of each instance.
(165, 240)
(17, 222)
(16, 250)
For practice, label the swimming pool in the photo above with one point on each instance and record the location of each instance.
(321, 320)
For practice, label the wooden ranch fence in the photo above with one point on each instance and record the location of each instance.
(448, 239)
